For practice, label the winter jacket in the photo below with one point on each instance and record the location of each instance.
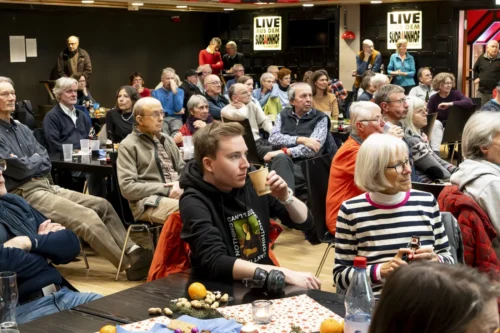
(84, 65)
(215, 105)
(488, 72)
(477, 230)
(221, 227)
(189, 90)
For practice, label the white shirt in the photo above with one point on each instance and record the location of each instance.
(69, 112)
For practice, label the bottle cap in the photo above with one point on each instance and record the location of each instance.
(360, 262)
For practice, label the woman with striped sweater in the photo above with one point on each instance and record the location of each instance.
(380, 223)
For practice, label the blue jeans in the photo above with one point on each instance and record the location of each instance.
(64, 299)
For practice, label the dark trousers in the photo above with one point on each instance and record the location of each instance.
(263, 147)
(291, 172)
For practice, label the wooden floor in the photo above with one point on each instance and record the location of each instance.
(291, 249)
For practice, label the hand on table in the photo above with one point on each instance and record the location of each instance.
(302, 279)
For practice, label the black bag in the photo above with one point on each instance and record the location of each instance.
(24, 114)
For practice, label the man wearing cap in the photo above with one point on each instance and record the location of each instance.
(487, 71)
(232, 57)
(494, 103)
(190, 86)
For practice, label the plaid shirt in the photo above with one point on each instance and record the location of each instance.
(166, 163)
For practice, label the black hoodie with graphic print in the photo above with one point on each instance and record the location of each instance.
(221, 227)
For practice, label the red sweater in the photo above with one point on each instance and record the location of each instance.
(214, 60)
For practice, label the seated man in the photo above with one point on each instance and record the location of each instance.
(366, 119)
(424, 89)
(241, 108)
(376, 81)
(190, 86)
(224, 222)
(91, 218)
(171, 99)
(28, 244)
(302, 132)
(238, 70)
(213, 94)
(149, 184)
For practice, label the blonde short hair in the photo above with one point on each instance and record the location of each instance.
(373, 158)
(400, 42)
(440, 78)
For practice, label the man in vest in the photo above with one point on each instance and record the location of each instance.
(367, 59)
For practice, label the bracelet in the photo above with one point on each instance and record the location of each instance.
(285, 150)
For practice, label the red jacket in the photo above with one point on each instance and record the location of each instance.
(477, 230)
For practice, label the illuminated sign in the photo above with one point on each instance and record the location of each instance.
(407, 25)
(267, 33)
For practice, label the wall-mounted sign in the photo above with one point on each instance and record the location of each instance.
(407, 25)
(267, 33)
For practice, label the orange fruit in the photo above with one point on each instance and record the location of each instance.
(330, 325)
(108, 329)
(197, 291)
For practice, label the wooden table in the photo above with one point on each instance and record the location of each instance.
(132, 305)
(66, 321)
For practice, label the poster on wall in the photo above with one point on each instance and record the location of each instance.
(407, 25)
(267, 33)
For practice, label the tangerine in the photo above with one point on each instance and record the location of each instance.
(330, 325)
(197, 291)
(108, 329)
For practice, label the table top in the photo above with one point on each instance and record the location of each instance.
(66, 321)
(132, 305)
(81, 163)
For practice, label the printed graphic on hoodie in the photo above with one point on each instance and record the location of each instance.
(248, 236)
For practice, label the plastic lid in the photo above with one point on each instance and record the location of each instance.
(360, 262)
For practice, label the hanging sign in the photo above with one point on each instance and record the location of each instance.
(407, 25)
(267, 33)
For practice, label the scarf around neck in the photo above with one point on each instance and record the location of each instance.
(192, 119)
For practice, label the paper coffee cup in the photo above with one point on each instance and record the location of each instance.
(259, 181)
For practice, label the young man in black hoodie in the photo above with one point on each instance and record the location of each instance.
(225, 223)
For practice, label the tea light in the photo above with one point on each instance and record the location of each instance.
(262, 311)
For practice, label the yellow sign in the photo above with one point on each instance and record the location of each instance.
(267, 33)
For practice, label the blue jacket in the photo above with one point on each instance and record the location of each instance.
(60, 129)
(407, 66)
(170, 102)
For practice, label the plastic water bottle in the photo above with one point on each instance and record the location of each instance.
(359, 300)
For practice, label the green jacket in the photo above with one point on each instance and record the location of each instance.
(140, 175)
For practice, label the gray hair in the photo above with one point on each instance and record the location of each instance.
(291, 89)
(167, 70)
(420, 72)
(373, 158)
(232, 44)
(202, 67)
(234, 88)
(492, 41)
(479, 132)
(414, 103)
(208, 79)
(237, 66)
(6, 79)
(266, 76)
(368, 42)
(270, 68)
(378, 80)
(359, 111)
(142, 103)
(386, 91)
(62, 84)
(195, 101)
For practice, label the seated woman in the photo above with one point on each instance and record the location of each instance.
(262, 94)
(135, 80)
(199, 116)
(428, 165)
(467, 301)
(323, 99)
(380, 223)
(120, 120)
(280, 88)
(444, 83)
(479, 175)
(84, 98)
(248, 82)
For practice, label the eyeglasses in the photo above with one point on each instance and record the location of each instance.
(3, 165)
(155, 115)
(7, 94)
(400, 167)
(215, 83)
(400, 101)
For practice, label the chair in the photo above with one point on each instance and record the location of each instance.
(252, 155)
(434, 189)
(454, 234)
(316, 172)
(431, 119)
(84, 255)
(454, 127)
(127, 217)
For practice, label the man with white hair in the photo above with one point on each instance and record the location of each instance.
(73, 60)
(367, 59)
(424, 89)
(376, 81)
(151, 185)
(171, 99)
(487, 71)
(366, 119)
(203, 71)
(28, 175)
(232, 57)
(214, 97)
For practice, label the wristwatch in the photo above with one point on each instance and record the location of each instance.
(288, 200)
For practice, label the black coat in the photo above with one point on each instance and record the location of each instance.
(189, 90)
(230, 62)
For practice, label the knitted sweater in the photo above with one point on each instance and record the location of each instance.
(327, 103)
(256, 117)
(454, 96)
(212, 59)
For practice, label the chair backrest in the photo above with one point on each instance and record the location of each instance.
(39, 135)
(477, 102)
(431, 119)
(454, 234)
(252, 156)
(434, 189)
(125, 212)
(456, 123)
(316, 172)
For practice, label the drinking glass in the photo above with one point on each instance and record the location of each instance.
(85, 146)
(8, 302)
(67, 151)
(262, 311)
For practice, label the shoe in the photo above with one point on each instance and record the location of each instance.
(140, 261)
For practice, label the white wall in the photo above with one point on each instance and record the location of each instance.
(349, 48)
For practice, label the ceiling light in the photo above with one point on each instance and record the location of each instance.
(137, 4)
(180, 7)
(87, 1)
(228, 9)
(376, 1)
(308, 5)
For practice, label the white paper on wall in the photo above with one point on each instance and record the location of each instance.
(17, 49)
(31, 50)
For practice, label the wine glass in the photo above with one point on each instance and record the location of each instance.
(8, 301)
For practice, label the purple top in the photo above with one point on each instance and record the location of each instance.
(455, 96)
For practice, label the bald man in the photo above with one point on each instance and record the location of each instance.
(487, 71)
(73, 59)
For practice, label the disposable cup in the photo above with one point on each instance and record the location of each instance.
(95, 144)
(85, 145)
(67, 151)
(259, 181)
